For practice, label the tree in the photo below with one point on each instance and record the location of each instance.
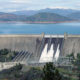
(71, 56)
(77, 64)
(51, 73)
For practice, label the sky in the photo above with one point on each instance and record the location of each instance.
(19, 5)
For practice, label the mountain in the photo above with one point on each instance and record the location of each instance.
(75, 15)
(39, 17)
(25, 12)
(62, 12)
(48, 17)
(11, 17)
(2, 13)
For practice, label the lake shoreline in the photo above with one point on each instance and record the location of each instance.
(37, 22)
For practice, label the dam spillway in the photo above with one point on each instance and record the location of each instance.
(40, 48)
(51, 49)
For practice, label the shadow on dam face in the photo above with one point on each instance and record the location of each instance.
(40, 48)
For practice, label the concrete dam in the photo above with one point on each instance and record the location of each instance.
(40, 48)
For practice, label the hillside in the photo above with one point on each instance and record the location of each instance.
(11, 17)
(47, 17)
(7, 55)
(40, 17)
(62, 12)
(75, 15)
(43, 15)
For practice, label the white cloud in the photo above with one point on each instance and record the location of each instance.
(59, 7)
(17, 5)
(20, 1)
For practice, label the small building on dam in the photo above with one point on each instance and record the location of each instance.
(40, 48)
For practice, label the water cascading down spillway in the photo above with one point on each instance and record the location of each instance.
(44, 53)
(47, 56)
(57, 53)
(51, 54)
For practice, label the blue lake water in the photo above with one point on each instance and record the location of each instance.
(21, 28)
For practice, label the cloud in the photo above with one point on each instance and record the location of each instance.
(17, 5)
(20, 1)
(59, 7)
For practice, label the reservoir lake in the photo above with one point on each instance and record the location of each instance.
(23, 28)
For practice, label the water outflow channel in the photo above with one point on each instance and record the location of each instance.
(51, 50)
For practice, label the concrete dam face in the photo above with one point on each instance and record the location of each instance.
(40, 48)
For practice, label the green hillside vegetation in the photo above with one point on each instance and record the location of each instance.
(48, 72)
(40, 17)
(48, 17)
(31, 73)
(11, 17)
(7, 55)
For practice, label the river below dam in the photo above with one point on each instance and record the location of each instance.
(23, 28)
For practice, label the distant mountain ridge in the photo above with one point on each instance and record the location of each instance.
(75, 15)
(44, 15)
(11, 17)
(25, 12)
(62, 12)
(40, 17)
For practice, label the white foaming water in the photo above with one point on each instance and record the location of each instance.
(43, 55)
(47, 56)
(50, 54)
(57, 53)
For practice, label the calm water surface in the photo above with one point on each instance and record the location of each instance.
(21, 28)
